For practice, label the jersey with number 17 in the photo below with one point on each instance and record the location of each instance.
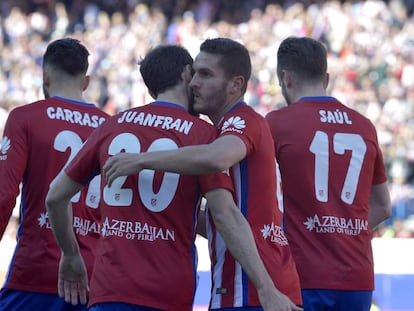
(329, 158)
(38, 141)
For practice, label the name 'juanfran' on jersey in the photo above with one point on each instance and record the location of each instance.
(153, 120)
(74, 116)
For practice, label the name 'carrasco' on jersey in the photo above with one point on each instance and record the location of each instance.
(74, 116)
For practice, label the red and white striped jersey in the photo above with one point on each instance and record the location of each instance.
(256, 187)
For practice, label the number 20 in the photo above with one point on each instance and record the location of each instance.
(116, 195)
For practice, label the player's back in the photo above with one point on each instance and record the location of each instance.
(147, 254)
(329, 157)
(255, 185)
(42, 138)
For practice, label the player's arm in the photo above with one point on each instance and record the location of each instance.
(13, 162)
(7, 203)
(59, 212)
(73, 278)
(201, 224)
(217, 156)
(9, 191)
(380, 205)
(239, 239)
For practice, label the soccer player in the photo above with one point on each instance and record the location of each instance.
(244, 147)
(334, 182)
(39, 140)
(146, 258)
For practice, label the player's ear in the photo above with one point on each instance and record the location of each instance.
(152, 94)
(286, 78)
(46, 78)
(326, 81)
(86, 82)
(236, 84)
(187, 74)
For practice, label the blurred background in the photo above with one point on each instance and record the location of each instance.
(371, 63)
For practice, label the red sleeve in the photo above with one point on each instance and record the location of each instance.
(216, 180)
(380, 175)
(85, 165)
(13, 160)
(242, 124)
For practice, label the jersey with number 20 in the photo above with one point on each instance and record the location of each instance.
(147, 255)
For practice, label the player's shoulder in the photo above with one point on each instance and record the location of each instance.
(243, 113)
(356, 117)
(94, 109)
(356, 113)
(201, 122)
(279, 111)
(243, 120)
(26, 109)
(110, 120)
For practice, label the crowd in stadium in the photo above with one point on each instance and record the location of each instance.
(370, 44)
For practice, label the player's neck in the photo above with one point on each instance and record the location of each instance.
(310, 91)
(219, 113)
(71, 96)
(180, 99)
(69, 91)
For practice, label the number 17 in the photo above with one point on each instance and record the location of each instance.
(341, 142)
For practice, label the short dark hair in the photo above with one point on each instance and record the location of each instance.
(304, 56)
(235, 58)
(162, 67)
(67, 55)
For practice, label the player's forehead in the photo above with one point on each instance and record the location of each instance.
(207, 61)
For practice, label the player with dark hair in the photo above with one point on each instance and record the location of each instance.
(39, 140)
(334, 182)
(146, 258)
(244, 147)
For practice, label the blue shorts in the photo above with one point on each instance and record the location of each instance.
(16, 300)
(119, 306)
(240, 309)
(336, 300)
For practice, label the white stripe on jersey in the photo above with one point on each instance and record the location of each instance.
(238, 280)
(220, 249)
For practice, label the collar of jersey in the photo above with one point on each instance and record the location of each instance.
(239, 104)
(73, 101)
(236, 106)
(318, 98)
(163, 103)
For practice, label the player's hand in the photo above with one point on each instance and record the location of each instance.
(121, 164)
(73, 279)
(274, 300)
